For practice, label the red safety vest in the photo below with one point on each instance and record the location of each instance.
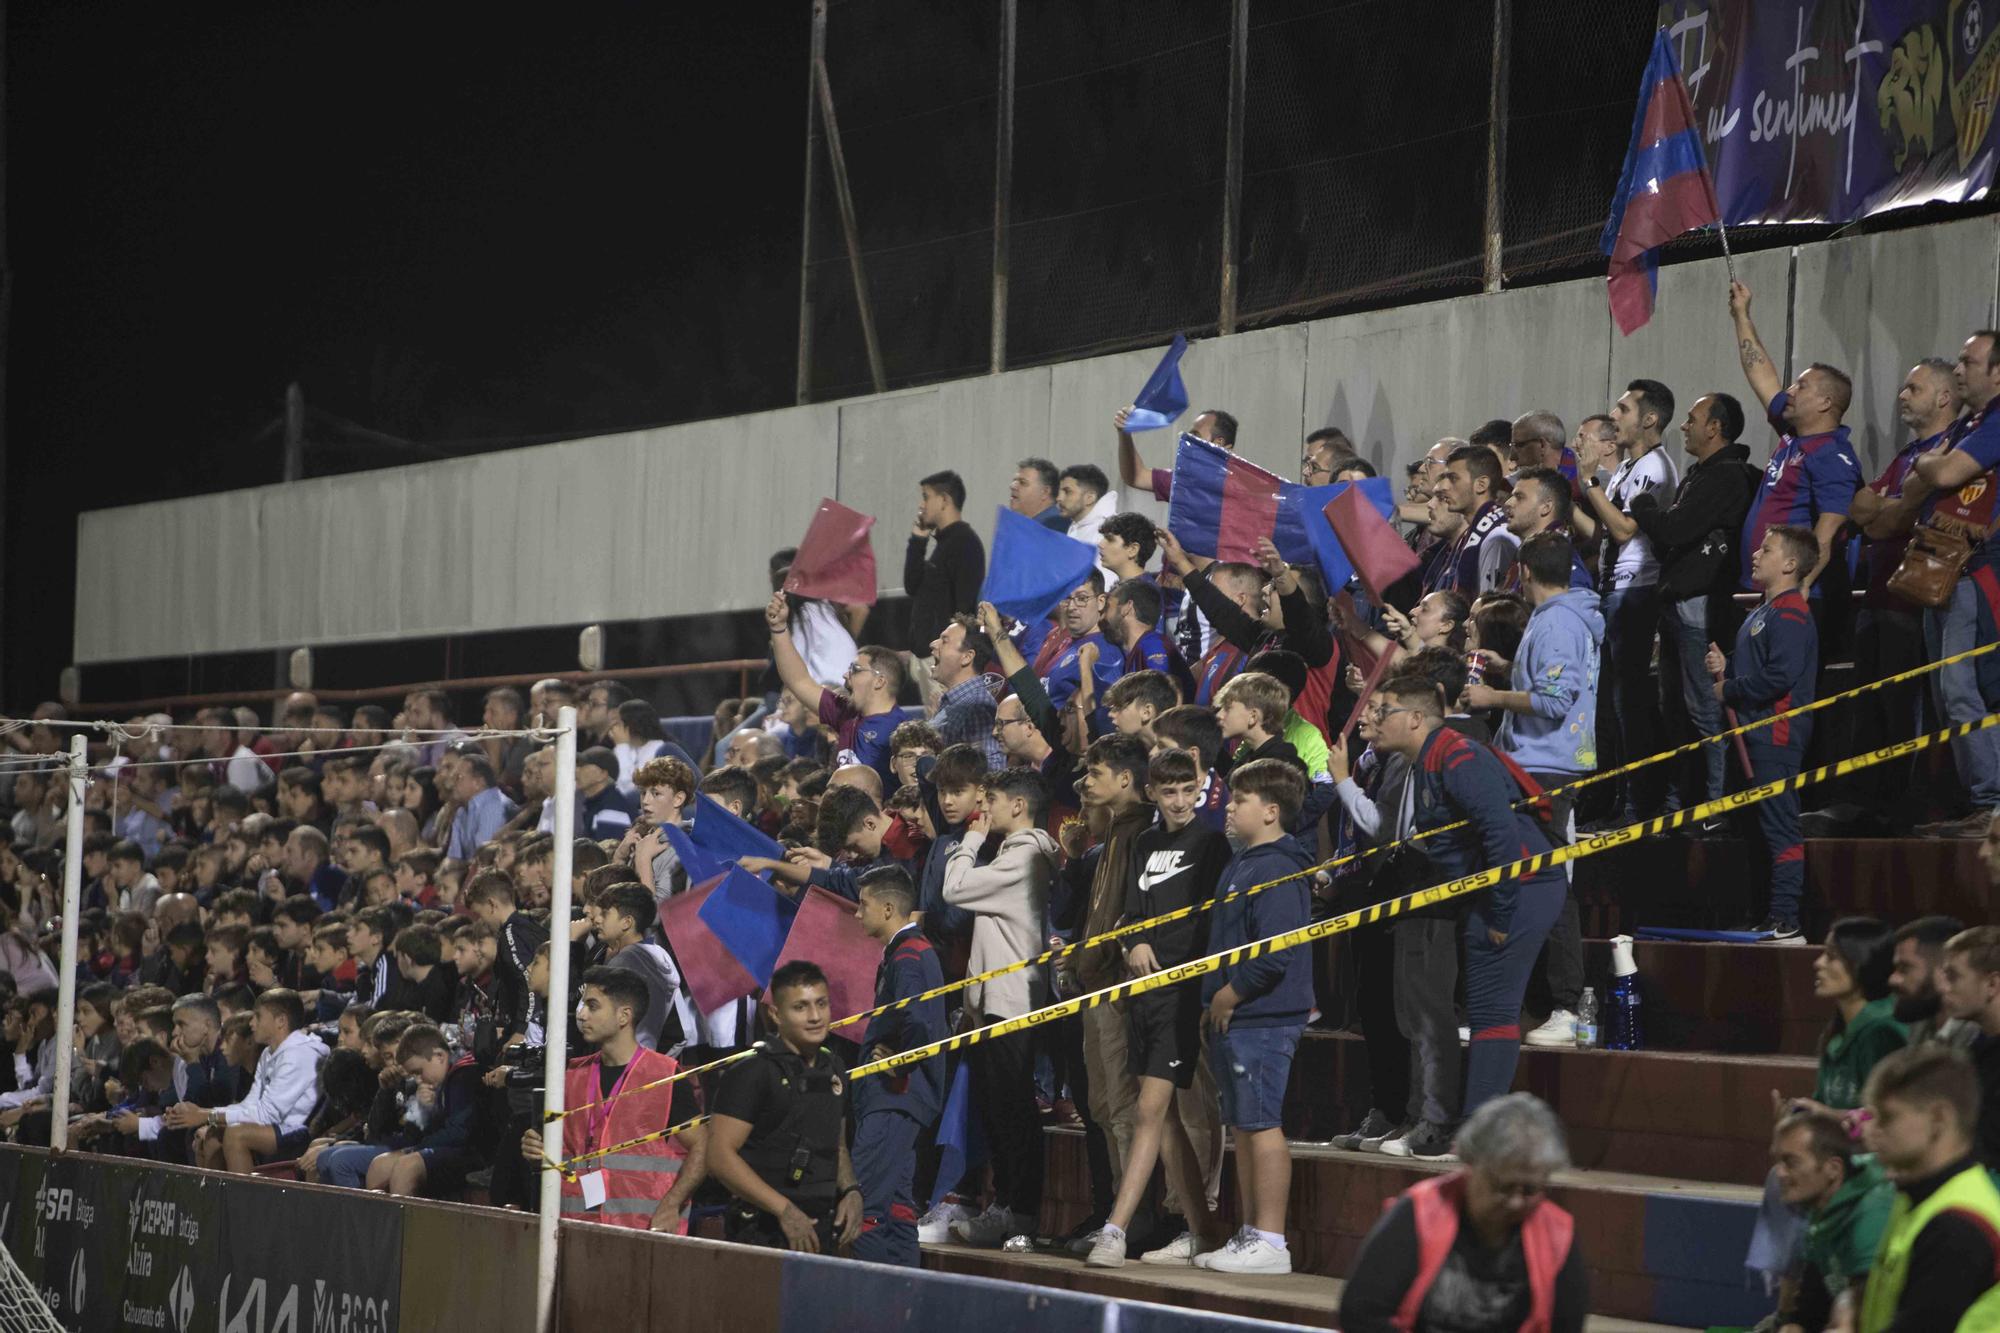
(1545, 1239)
(636, 1178)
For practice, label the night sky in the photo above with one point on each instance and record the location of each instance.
(458, 225)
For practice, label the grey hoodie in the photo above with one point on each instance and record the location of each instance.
(1556, 666)
(1009, 902)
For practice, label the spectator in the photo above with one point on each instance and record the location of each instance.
(1137, 701)
(864, 714)
(1482, 1247)
(945, 582)
(1970, 985)
(307, 870)
(777, 1139)
(455, 1140)
(650, 1181)
(482, 807)
(636, 738)
(270, 1123)
(1941, 1248)
(627, 913)
(1812, 476)
(1472, 486)
(1132, 612)
(1251, 709)
(1257, 1008)
(1008, 900)
(1631, 586)
(1549, 728)
(423, 984)
(1326, 451)
(1695, 540)
(1086, 500)
(1852, 972)
(502, 710)
(1288, 612)
(666, 787)
(1959, 512)
(891, 1115)
(603, 811)
(1541, 502)
(1845, 1200)
(1915, 961)
(1771, 673)
(822, 632)
(1213, 426)
(964, 713)
(1032, 493)
(1089, 665)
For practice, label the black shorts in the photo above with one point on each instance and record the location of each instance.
(747, 1224)
(291, 1145)
(1163, 1034)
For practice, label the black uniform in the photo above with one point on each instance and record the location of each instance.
(797, 1114)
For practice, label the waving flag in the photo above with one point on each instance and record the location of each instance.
(825, 932)
(717, 840)
(836, 559)
(1360, 519)
(1221, 505)
(1314, 505)
(1032, 568)
(1665, 189)
(1164, 398)
(728, 934)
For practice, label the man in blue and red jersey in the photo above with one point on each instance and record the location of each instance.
(863, 715)
(1958, 486)
(1813, 474)
(1770, 674)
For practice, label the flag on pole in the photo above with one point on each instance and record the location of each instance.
(836, 559)
(1164, 398)
(825, 932)
(1359, 517)
(1665, 189)
(727, 934)
(1221, 504)
(1032, 568)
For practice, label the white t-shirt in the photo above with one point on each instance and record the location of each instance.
(631, 758)
(824, 643)
(1638, 566)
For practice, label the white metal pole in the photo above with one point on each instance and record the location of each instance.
(72, 904)
(556, 1058)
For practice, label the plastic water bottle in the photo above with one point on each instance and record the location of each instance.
(1624, 1029)
(1586, 1020)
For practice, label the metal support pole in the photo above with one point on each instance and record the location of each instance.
(79, 776)
(1003, 180)
(1496, 150)
(1232, 170)
(848, 226)
(555, 1059)
(802, 390)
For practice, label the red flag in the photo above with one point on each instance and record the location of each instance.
(836, 561)
(1380, 557)
(825, 932)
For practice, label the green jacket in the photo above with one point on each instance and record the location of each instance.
(1845, 1063)
(1842, 1237)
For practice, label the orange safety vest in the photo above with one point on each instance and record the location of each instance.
(635, 1178)
(1545, 1240)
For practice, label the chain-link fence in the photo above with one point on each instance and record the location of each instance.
(1366, 144)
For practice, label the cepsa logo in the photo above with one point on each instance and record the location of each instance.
(63, 1205)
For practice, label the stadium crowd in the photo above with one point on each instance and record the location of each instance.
(320, 944)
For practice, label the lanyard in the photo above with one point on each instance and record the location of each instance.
(599, 1116)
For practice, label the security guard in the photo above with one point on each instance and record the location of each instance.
(778, 1140)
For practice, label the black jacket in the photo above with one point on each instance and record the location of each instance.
(1696, 539)
(944, 583)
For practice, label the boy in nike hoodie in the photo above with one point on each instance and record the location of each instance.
(1009, 902)
(1257, 1007)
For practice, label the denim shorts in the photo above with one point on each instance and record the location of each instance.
(1252, 1065)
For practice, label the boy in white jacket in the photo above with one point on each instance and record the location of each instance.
(1009, 901)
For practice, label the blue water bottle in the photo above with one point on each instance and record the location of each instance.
(1623, 1028)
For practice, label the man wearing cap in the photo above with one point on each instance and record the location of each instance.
(603, 811)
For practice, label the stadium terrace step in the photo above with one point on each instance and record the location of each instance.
(1716, 883)
(1738, 998)
(1660, 1250)
(1680, 1116)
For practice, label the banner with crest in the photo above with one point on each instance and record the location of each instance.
(1830, 110)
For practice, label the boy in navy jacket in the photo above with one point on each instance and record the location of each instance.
(1257, 1008)
(1771, 673)
(892, 1110)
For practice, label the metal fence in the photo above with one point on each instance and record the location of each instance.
(991, 183)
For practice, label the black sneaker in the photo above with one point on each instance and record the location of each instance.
(1374, 1125)
(1427, 1143)
(1777, 931)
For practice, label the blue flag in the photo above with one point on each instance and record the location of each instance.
(724, 838)
(1308, 505)
(1164, 398)
(1032, 568)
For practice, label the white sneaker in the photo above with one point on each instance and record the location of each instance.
(1252, 1255)
(1560, 1030)
(1106, 1250)
(1206, 1258)
(1180, 1252)
(991, 1228)
(934, 1227)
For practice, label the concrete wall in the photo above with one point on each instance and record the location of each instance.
(681, 520)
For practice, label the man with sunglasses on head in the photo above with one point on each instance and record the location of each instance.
(864, 714)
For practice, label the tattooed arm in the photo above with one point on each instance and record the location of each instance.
(1757, 367)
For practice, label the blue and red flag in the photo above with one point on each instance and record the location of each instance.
(717, 839)
(1221, 504)
(1665, 189)
(727, 935)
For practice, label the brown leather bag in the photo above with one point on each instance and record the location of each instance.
(1930, 567)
